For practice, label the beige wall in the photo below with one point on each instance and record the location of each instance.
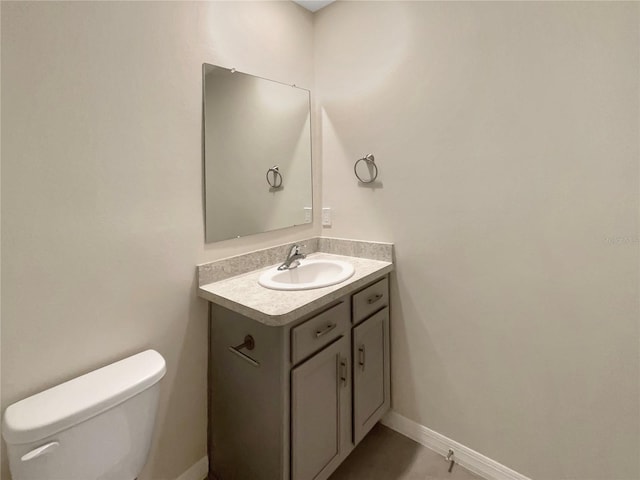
(102, 189)
(507, 140)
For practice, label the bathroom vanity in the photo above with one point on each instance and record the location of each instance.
(298, 361)
(297, 378)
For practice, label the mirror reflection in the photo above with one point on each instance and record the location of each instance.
(257, 154)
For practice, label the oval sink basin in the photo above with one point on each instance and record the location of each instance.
(309, 274)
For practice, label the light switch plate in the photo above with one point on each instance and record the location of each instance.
(326, 217)
(308, 214)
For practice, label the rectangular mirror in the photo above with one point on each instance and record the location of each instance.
(257, 154)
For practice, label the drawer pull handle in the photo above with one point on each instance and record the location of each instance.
(361, 355)
(249, 344)
(374, 298)
(320, 333)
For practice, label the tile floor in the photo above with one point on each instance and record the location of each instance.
(387, 455)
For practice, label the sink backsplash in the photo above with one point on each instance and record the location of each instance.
(248, 262)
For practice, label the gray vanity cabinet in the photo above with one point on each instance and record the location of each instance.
(371, 379)
(320, 412)
(294, 405)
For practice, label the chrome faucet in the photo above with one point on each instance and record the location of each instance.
(293, 259)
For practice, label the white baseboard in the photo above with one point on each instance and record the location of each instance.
(197, 471)
(464, 456)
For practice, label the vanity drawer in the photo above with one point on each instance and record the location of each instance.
(370, 300)
(319, 331)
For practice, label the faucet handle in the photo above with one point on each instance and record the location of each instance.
(295, 248)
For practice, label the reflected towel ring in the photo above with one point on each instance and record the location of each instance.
(276, 180)
(371, 162)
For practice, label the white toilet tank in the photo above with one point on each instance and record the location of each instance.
(95, 427)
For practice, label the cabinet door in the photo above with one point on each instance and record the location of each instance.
(320, 404)
(371, 380)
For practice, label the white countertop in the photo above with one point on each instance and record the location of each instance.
(276, 308)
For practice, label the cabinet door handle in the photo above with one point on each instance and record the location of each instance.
(329, 327)
(343, 371)
(361, 357)
(374, 298)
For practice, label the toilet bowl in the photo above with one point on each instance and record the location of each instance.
(95, 427)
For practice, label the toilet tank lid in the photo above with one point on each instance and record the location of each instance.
(72, 402)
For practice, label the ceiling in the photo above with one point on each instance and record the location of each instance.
(313, 5)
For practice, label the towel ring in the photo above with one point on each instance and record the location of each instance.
(371, 162)
(276, 180)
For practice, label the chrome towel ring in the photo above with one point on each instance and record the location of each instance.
(371, 164)
(275, 180)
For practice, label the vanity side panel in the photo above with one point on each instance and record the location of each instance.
(247, 409)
